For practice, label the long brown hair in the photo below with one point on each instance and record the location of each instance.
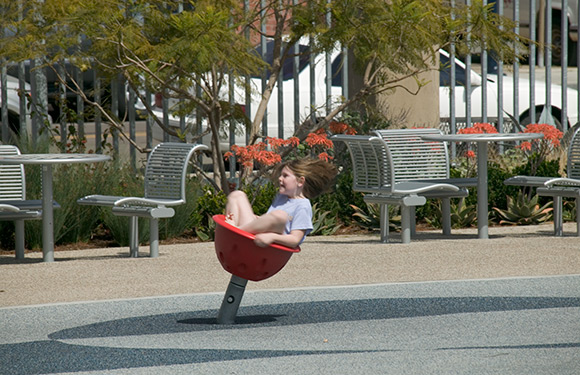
(318, 174)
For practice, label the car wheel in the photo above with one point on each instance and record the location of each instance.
(557, 43)
(527, 120)
(13, 124)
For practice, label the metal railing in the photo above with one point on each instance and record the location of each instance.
(564, 104)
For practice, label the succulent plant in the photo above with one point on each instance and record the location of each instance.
(371, 217)
(462, 215)
(324, 222)
(522, 210)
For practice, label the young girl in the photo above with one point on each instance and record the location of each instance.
(289, 218)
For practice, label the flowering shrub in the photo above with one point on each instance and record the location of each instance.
(538, 150)
(551, 140)
(479, 128)
(259, 152)
(267, 153)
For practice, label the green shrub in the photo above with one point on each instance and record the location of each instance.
(462, 215)
(72, 222)
(522, 210)
(261, 194)
(369, 217)
(210, 202)
(122, 180)
(339, 201)
(324, 223)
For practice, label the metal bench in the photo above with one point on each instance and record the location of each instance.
(165, 178)
(13, 203)
(379, 171)
(558, 187)
(417, 160)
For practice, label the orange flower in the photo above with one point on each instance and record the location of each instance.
(470, 154)
(324, 156)
(551, 134)
(315, 139)
(341, 128)
(526, 145)
(479, 128)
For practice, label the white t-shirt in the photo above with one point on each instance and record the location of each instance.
(299, 210)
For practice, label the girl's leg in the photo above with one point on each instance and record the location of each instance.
(238, 209)
(274, 221)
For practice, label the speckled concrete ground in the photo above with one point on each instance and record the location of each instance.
(102, 274)
(344, 305)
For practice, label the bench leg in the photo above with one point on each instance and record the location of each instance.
(558, 231)
(412, 221)
(133, 237)
(153, 238)
(406, 224)
(446, 215)
(384, 223)
(578, 217)
(19, 238)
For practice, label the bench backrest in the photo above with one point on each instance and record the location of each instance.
(371, 166)
(413, 158)
(12, 180)
(573, 163)
(166, 170)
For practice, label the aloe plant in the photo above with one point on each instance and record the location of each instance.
(462, 215)
(522, 210)
(323, 222)
(569, 210)
(371, 217)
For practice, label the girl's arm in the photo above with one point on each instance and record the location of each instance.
(291, 240)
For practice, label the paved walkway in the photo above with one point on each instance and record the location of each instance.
(344, 305)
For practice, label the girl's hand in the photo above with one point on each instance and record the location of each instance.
(265, 239)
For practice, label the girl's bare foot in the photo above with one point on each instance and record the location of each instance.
(230, 219)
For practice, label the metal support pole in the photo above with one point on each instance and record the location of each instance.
(384, 218)
(446, 215)
(133, 237)
(153, 237)
(19, 238)
(405, 224)
(413, 221)
(232, 299)
(558, 218)
(577, 216)
(482, 194)
(47, 215)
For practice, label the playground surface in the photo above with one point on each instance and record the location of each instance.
(345, 304)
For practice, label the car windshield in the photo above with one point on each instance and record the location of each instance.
(445, 73)
(303, 62)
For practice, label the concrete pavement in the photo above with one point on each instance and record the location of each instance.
(345, 304)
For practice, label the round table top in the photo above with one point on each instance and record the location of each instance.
(485, 137)
(63, 158)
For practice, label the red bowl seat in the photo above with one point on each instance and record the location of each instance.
(240, 256)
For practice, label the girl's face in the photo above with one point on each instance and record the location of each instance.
(290, 185)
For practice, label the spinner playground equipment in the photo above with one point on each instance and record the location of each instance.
(240, 256)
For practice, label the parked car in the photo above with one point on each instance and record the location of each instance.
(13, 102)
(556, 30)
(523, 116)
(556, 24)
(288, 125)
